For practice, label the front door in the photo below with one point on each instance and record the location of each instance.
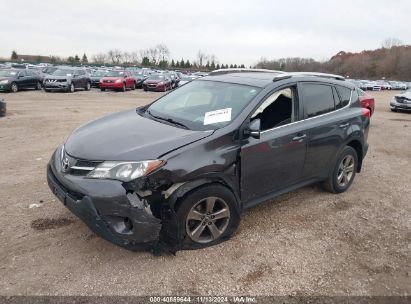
(275, 160)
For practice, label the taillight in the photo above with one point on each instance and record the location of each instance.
(366, 112)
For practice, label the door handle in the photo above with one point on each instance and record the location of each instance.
(299, 137)
(343, 126)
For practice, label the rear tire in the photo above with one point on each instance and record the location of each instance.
(343, 173)
(88, 86)
(211, 209)
(102, 90)
(38, 86)
(133, 87)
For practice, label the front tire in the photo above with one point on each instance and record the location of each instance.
(343, 173)
(102, 89)
(208, 216)
(123, 89)
(71, 88)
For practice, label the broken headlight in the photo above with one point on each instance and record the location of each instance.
(124, 171)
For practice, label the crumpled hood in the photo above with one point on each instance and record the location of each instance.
(127, 136)
(405, 95)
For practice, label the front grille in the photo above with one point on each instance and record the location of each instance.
(80, 167)
(108, 81)
(56, 80)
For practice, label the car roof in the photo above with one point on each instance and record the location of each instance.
(263, 78)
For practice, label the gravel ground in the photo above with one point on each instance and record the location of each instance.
(307, 242)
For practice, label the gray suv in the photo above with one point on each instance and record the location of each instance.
(67, 80)
(177, 173)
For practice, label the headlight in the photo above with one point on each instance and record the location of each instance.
(160, 83)
(118, 80)
(124, 171)
(4, 81)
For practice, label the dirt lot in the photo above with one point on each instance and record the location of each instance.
(308, 242)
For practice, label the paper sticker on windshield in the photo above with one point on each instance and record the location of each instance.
(217, 116)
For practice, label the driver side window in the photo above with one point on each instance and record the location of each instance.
(280, 108)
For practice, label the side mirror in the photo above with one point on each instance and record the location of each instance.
(254, 129)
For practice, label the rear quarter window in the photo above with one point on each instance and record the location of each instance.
(345, 96)
(318, 99)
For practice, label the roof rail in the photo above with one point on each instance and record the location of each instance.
(242, 70)
(323, 75)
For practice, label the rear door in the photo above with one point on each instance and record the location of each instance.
(327, 123)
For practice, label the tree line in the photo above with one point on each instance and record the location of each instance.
(157, 56)
(391, 61)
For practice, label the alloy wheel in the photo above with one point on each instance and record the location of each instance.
(345, 171)
(207, 220)
(14, 87)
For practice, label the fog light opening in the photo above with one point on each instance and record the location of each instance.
(128, 224)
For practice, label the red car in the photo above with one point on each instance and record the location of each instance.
(367, 101)
(119, 80)
(157, 82)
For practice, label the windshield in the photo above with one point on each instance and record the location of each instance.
(99, 73)
(63, 72)
(116, 74)
(204, 105)
(6, 73)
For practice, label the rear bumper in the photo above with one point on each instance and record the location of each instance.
(103, 205)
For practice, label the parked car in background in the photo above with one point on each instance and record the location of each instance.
(174, 79)
(186, 78)
(68, 80)
(139, 76)
(96, 76)
(13, 80)
(118, 80)
(385, 85)
(373, 86)
(401, 102)
(366, 101)
(157, 82)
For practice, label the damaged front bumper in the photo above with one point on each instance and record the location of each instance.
(105, 206)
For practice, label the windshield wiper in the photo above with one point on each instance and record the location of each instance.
(170, 120)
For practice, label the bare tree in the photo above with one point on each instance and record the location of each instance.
(142, 54)
(153, 54)
(99, 58)
(115, 56)
(391, 42)
(163, 51)
(201, 56)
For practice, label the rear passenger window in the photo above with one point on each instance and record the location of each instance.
(345, 96)
(318, 99)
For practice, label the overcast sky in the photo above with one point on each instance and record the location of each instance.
(235, 31)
